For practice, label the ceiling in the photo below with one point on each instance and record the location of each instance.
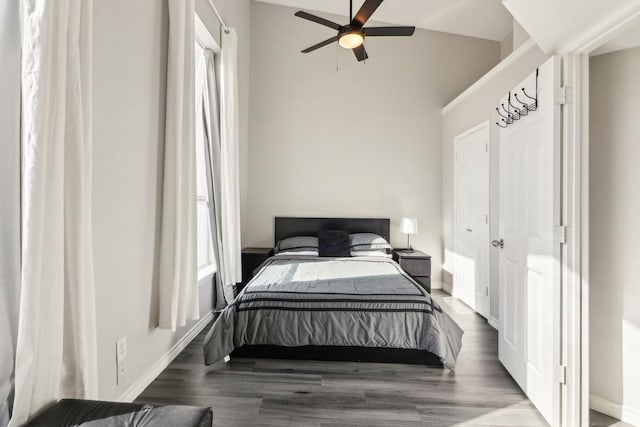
(567, 25)
(626, 40)
(486, 19)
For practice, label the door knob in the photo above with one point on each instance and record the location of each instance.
(498, 243)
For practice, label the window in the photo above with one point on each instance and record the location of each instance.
(206, 260)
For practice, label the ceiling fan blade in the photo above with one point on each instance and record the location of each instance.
(317, 20)
(321, 44)
(360, 52)
(365, 12)
(388, 31)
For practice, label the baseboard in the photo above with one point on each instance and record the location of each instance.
(154, 370)
(494, 323)
(436, 285)
(623, 413)
(447, 288)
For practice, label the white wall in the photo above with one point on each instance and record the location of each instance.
(362, 141)
(474, 107)
(129, 72)
(614, 213)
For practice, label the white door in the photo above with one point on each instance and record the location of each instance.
(471, 213)
(529, 273)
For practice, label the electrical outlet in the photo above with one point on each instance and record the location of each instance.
(121, 355)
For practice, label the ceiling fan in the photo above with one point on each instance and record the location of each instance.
(352, 35)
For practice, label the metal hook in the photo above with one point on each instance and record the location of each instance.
(499, 125)
(527, 95)
(516, 110)
(512, 115)
(534, 105)
(509, 117)
(524, 110)
(500, 114)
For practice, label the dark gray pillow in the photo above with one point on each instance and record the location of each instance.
(334, 243)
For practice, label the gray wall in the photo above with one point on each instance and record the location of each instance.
(614, 234)
(129, 72)
(519, 35)
(506, 46)
(361, 141)
(473, 109)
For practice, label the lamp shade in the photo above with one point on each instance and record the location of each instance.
(409, 226)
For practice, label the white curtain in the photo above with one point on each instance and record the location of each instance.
(10, 196)
(178, 285)
(229, 153)
(208, 127)
(56, 352)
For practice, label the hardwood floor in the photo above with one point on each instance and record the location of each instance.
(313, 393)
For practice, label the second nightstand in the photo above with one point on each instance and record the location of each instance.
(251, 259)
(417, 264)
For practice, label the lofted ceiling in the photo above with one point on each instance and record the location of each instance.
(626, 40)
(563, 26)
(486, 19)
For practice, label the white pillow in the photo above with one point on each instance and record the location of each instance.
(377, 253)
(368, 241)
(298, 252)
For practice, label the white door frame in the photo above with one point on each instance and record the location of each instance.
(575, 266)
(485, 125)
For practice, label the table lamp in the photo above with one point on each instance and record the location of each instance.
(409, 226)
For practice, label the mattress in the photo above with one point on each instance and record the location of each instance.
(297, 300)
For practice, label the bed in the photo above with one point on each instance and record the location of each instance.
(363, 308)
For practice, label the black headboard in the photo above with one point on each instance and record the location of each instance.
(294, 226)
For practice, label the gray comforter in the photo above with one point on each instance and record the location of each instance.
(360, 301)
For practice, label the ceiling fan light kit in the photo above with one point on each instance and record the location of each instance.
(352, 35)
(351, 39)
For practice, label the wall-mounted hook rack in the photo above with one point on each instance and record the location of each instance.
(514, 112)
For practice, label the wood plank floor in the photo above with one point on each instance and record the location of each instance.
(312, 393)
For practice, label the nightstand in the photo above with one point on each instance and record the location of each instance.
(417, 264)
(251, 259)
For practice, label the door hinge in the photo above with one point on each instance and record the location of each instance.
(564, 95)
(562, 375)
(561, 234)
(486, 219)
(486, 147)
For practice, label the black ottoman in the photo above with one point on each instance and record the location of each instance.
(96, 413)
